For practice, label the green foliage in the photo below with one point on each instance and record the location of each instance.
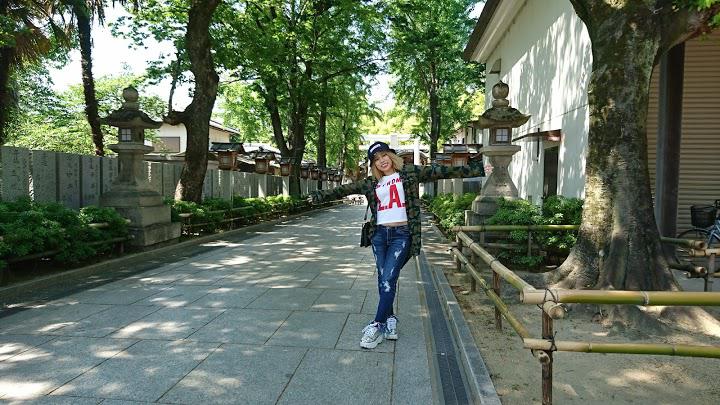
(48, 120)
(449, 208)
(434, 84)
(212, 211)
(243, 109)
(556, 210)
(27, 228)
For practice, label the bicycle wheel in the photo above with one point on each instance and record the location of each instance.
(683, 253)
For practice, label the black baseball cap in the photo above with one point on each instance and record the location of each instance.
(376, 148)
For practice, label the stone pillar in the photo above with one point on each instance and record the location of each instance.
(262, 188)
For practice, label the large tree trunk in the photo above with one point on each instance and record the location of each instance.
(91, 105)
(196, 116)
(434, 122)
(298, 123)
(6, 55)
(618, 243)
(321, 140)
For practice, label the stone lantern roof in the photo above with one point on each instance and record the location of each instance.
(501, 114)
(129, 114)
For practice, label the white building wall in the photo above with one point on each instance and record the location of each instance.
(546, 60)
(167, 130)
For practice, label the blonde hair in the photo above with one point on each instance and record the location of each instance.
(397, 163)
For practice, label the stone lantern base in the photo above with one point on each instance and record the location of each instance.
(149, 216)
(133, 198)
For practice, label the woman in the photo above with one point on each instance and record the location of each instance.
(392, 192)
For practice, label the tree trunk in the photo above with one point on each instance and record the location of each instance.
(91, 105)
(6, 54)
(298, 124)
(618, 243)
(434, 122)
(196, 116)
(174, 81)
(322, 130)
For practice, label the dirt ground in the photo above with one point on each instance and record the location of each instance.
(587, 378)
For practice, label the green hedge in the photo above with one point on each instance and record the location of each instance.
(210, 214)
(556, 210)
(28, 228)
(449, 209)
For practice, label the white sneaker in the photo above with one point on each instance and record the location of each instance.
(391, 332)
(372, 336)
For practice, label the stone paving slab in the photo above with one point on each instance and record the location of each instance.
(251, 326)
(309, 329)
(168, 323)
(11, 345)
(106, 322)
(143, 372)
(118, 293)
(49, 366)
(238, 374)
(347, 301)
(49, 318)
(231, 296)
(287, 298)
(177, 295)
(340, 377)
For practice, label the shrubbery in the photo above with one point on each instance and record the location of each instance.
(212, 212)
(556, 210)
(449, 209)
(27, 228)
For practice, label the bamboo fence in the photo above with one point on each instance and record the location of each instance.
(552, 303)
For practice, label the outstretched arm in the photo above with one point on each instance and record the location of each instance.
(437, 172)
(358, 187)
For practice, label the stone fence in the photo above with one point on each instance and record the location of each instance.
(79, 180)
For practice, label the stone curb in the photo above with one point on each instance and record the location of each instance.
(478, 377)
(109, 266)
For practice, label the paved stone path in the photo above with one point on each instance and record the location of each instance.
(274, 318)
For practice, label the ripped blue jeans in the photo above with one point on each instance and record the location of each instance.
(391, 247)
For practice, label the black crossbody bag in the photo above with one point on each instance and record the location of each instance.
(365, 234)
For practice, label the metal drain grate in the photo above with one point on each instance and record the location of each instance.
(451, 379)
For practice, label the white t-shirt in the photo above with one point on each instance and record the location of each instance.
(390, 196)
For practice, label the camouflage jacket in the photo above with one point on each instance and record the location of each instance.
(412, 176)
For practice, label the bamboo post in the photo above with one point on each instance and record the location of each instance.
(547, 367)
(458, 264)
(662, 349)
(492, 228)
(529, 244)
(711, 270)
(616, 297)
(496, 289)
(474, 261)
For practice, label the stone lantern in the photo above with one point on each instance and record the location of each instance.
(130, 193)
(304, 170)
(500, 119)
(286, 164)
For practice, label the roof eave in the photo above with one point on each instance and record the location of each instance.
(492, 24)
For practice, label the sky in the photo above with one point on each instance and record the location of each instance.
(110, 54)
